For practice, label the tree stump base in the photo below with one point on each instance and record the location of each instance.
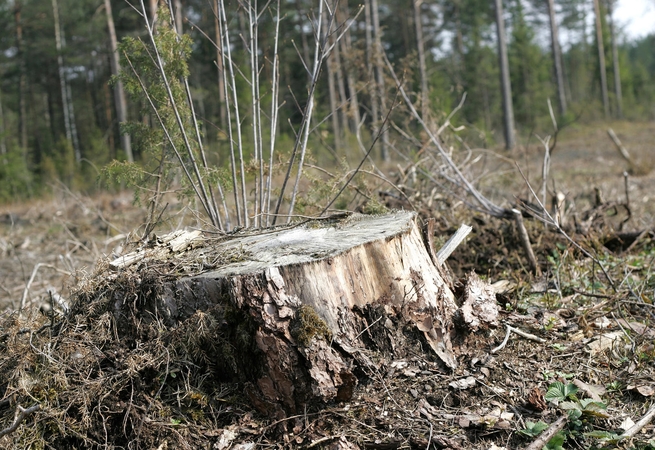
(297, 309)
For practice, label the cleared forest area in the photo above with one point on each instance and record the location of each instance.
(135, 386)
(226, 223)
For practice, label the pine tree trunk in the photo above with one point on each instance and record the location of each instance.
(379, 79)
(601, 59)
(346, 50)
(341, 86)
(22, 80)
(299, 312)
(3, 139)
(370, 68)
(119, 92)
(179, 16)
(557, 57)
(332, 93)
(615, 64)
(303, 36)
(154, 5)
(65, 94)
(505, 85)
(418, 24)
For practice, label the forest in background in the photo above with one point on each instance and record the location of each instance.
(60, 114)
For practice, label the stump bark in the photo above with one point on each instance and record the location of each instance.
(300, 308)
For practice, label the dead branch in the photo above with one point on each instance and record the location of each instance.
(631, 432)
(619, 146)
(548, 434)
(21, 414)
(525, 241)
(529, 336)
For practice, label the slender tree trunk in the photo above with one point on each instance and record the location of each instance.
(418, 24)
(179, 17)
(615, 63)
(22, 81)
(370, 70)
(557, 57)
(505, 84)
(154, 5)
(332, 92)
(341, 85)
(379, 78)
(119, 92)
(303, 36)
(59, 42)
(219, 65)
(601, 58)
(110, 121)
(71, 114)
(3, 140)
(346, 47)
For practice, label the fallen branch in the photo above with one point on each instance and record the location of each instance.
(21, 414)
(525, 241)
(532, 337)
(548, 434)
(636, 428)
(619, 146)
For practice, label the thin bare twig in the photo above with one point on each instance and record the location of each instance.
(549, 220)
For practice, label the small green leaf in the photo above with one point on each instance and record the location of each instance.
(533, 429)
(556, 442)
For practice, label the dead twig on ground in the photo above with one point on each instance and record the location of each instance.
(548, 434)
(510, 329)
(525, 241)
(21, 414)
(636, 428)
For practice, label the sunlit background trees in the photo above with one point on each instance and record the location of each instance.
(59, 114)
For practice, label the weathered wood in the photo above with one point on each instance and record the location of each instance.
(309, 295)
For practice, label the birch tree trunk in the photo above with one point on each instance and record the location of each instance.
(505, 85)
(601, 59)
(615, 63)
(557, 57)
(119, 92)
(420, 41)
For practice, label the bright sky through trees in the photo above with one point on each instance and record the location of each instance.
(636, 18)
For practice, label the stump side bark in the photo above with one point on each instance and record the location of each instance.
(304, 290)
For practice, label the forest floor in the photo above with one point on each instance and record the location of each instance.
(588, 355)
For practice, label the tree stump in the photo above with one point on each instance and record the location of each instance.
(299, 308)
